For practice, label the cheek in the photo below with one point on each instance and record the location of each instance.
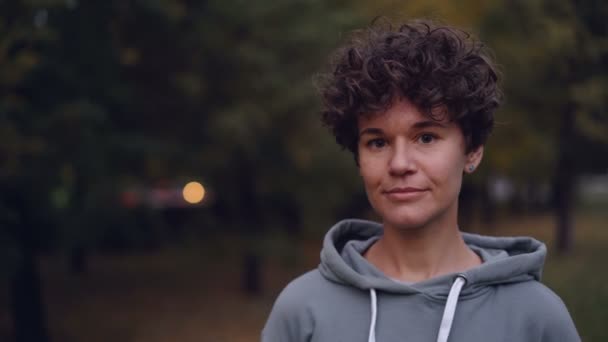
(370, 172)
(447, 170)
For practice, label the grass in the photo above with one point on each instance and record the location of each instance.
(193, 293)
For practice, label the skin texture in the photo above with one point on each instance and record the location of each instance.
(412, 169)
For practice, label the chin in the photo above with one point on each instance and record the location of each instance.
(405, 222)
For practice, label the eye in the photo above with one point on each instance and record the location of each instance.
(427, 138)
(376, 143)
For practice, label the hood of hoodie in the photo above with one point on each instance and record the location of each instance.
(505, 260)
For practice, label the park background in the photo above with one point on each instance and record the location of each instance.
(109, 108)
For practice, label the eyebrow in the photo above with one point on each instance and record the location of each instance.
(417, 125)
(372, 131)
(427, 124)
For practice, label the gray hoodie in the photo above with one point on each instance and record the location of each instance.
(347, 299)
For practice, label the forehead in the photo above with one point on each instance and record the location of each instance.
(402, 112)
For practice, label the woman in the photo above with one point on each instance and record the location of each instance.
(415, 104)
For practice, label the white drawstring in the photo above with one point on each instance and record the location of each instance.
(372, 324)
(450, 309)
(448, 312)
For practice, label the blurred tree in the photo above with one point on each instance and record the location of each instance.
(97, 96)
(466, 13)
(555, 57)
(262, 124)
(55, 93)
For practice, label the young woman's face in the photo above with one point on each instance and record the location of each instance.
(412, 166)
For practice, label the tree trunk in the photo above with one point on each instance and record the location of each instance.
(249, 218)
(488, 206)
(565, 178)
(27, 303)
(252, 282)
(78, 258)
(466, 206)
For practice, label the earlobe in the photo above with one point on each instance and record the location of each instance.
(473, 159)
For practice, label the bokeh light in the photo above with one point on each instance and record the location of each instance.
(193, 192)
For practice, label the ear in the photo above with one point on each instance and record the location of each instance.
(473, 159)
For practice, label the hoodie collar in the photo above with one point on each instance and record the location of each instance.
(505, 260)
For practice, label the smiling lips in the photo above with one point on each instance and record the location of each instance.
(403, 194)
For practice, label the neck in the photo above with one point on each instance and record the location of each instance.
(414, 255)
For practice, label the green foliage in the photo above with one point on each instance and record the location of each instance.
(103, 95)
(98, 96)
(553, 55)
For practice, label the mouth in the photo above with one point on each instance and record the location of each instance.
(403, 193)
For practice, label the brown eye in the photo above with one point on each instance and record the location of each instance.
(426, 138)
(376, 143)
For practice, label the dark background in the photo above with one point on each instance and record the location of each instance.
(108, 108)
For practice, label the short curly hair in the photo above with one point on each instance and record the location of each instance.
(434, 66)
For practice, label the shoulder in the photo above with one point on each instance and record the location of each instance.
(300, 290)
(291, 317)
(544, 310)
(538, 298)
(307, 292)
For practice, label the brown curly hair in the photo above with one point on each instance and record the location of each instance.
(434, 66)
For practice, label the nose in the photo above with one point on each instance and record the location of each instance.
(402, 161)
